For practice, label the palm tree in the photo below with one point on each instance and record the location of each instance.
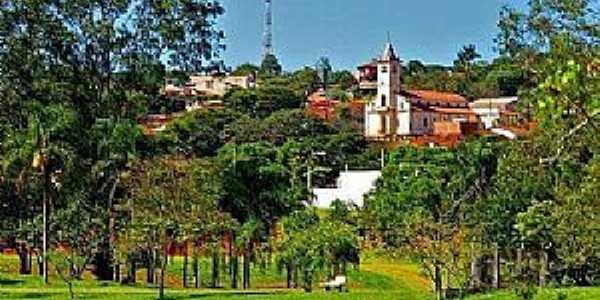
(41, 151)
(250, 234)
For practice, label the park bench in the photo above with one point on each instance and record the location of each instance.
(338, 283)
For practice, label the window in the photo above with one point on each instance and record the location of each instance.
(384, 69)
(209, 85)
(401, 104)
(425, 123)
(383, 101)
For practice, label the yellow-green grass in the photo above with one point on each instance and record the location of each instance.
(377, 278)
(591, 293)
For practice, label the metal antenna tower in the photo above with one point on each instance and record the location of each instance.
(268, 35)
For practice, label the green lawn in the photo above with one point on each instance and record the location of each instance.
(376, 279)
(550, 294)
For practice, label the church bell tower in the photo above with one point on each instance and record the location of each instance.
(381, 117)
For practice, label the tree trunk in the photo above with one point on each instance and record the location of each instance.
(246, 271)
(40, 262)
(151, 266)
(132, 272)
(106, 270)
(30, 260)
(307, 281)
(296, 276)
(215, 270)
(185, 269)
(195, 266)
(519, 260)
(336, 269)
(234, 271)
(163, 266)
(225, 265)
(543, 268)
(438, 282)
(24, 263)
(230, 255)
(475, 273)
(71, 292)
(45, 230)
(117, 275)
(290, 273)
(496, 268)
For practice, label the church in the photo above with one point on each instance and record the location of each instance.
(395, 113)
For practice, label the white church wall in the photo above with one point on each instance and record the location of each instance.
(373, 121)
(404, 112)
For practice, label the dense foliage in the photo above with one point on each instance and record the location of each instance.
(522, 210)
(83, 186)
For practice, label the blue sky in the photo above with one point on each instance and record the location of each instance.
(351, 32)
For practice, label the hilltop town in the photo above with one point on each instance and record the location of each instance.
(141, 158)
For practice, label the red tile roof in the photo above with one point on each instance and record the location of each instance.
(368, 65)
(451, 111)
(438, 96)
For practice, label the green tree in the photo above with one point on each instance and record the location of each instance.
(270, 65)
(168, 204)
(305, 81)
(199, 133)
(314, 247)
(259, 192)
(466, 57)
(263, 101)
(415, 67)
(344, 79)
(101, 67)
(324, 69)
(116, 147)
(420, 205)
(40, 153)
(246, 69)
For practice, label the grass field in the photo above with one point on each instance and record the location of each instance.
(378, 278)
(550, 294)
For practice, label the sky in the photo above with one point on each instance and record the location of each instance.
(352, 32)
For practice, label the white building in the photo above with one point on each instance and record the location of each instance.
(396, 112)
(351, 188)
(209, 85)
(491, 110)
(381, 113)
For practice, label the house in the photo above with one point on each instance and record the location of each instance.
(367, 76)
(496, 111)
(208, 85)
(327, 109)
(395, 113)
(320, 106)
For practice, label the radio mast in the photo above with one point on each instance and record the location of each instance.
(268, 34)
